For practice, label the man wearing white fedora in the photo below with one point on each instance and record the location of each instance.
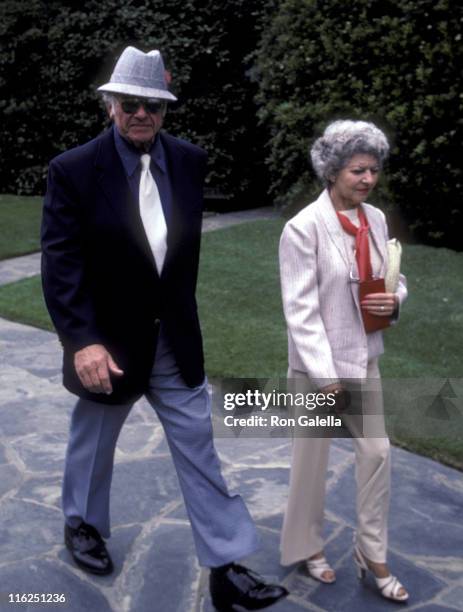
(120, 238)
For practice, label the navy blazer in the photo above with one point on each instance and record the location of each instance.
(99, 276)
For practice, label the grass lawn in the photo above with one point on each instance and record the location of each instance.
(19, 225)
(245, 336)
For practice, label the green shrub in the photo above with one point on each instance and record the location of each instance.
(395, 63)
(55, 54)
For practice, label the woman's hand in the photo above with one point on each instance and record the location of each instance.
(341, 396)
(380, 304)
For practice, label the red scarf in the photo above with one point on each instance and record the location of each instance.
(362, 246)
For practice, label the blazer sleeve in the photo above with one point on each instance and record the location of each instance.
(63, 279)
(298, 274)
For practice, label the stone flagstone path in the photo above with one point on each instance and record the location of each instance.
(151, 543)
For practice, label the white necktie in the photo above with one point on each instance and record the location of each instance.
(152, 214)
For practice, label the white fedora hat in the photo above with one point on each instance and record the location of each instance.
(139, 74)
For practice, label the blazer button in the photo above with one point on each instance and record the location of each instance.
(157, 322)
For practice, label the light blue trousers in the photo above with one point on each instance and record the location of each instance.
(222, 527)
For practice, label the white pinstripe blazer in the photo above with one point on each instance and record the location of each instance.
(326, 337)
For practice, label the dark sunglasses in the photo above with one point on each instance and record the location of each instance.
(131, 105)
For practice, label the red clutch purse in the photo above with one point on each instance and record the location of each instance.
(372, 322)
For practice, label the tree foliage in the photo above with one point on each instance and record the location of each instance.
(396, 63)
(56, 53)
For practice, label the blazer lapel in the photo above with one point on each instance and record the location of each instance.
(332, 225)
(177, 219)
(336, 234)
(111, 175)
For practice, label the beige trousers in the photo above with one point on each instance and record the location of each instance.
(303, 522)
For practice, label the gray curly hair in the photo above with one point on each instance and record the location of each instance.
(342, 140)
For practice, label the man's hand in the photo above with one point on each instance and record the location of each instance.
(93, 365)
(380, 304)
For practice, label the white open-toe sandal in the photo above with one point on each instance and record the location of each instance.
(317, 567)
(389, 586)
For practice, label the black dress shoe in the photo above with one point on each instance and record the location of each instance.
(88, 549)
(234, 587)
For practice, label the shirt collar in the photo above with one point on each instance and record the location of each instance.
(130, 155)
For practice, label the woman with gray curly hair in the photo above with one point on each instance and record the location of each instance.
(333, 261)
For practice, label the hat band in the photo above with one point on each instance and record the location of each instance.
(138, 80)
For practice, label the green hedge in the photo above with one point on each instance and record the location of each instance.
(55, 54)
(396, 63)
